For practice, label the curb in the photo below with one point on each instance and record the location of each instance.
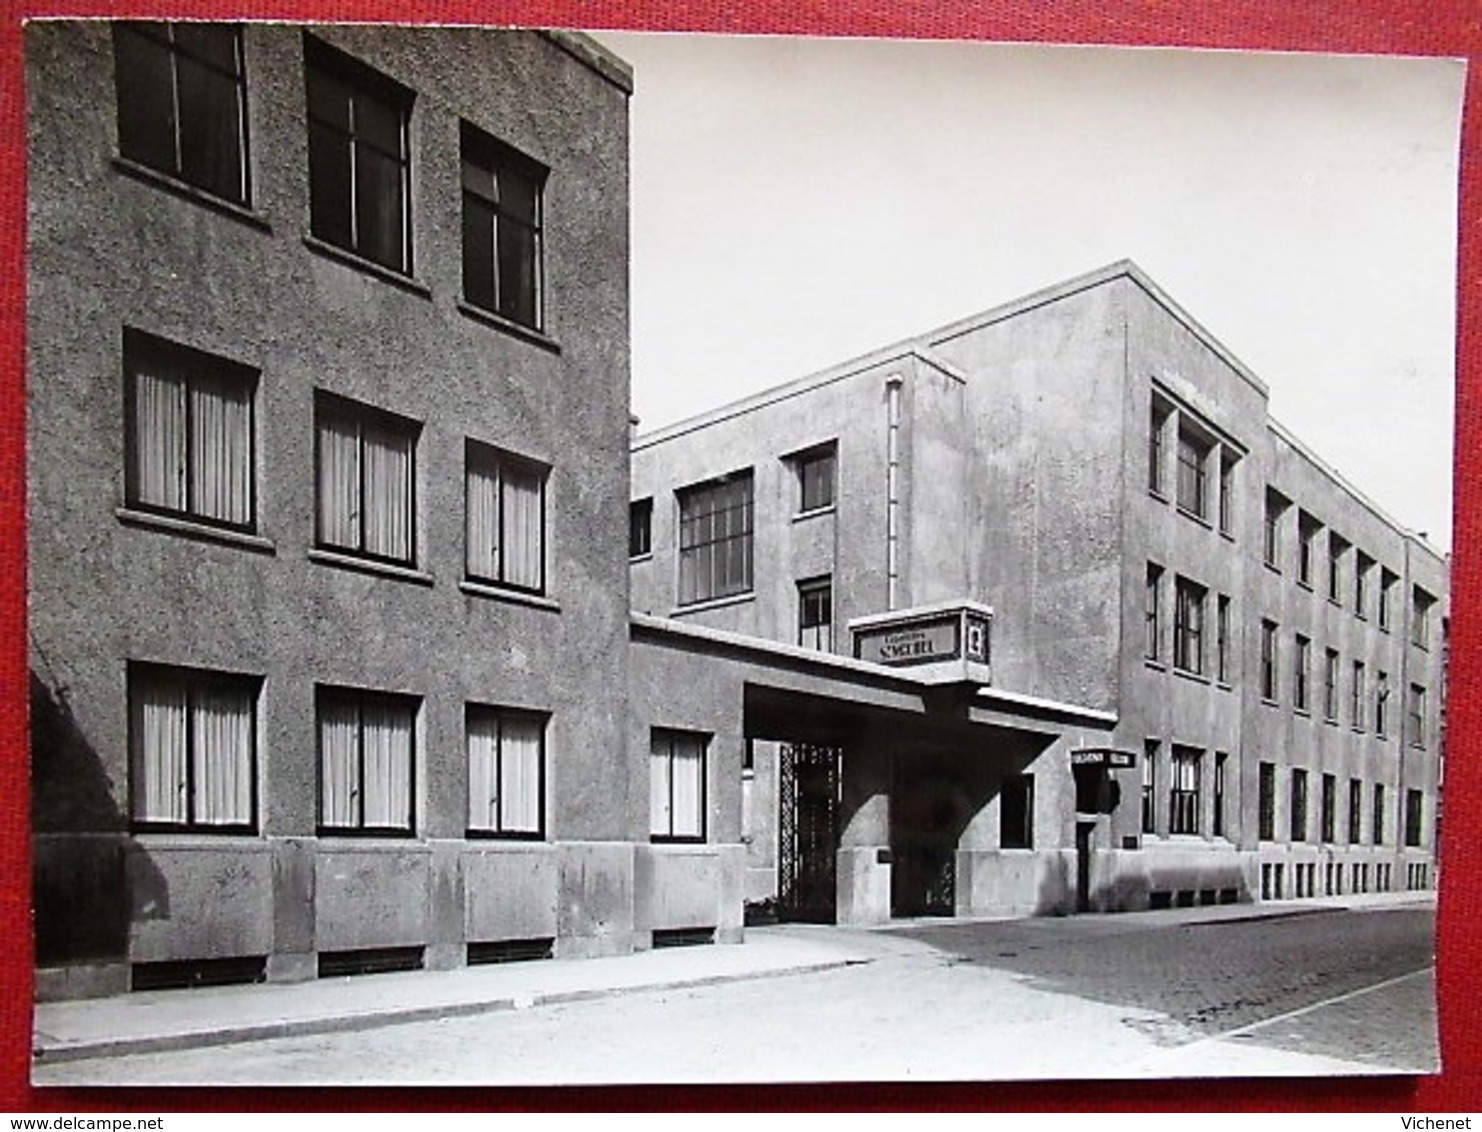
(86, 1049)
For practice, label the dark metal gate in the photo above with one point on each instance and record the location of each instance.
(808, 825)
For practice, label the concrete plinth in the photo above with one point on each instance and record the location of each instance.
(863, 885)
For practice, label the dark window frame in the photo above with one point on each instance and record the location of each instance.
(1183, 802)
(1355, 811)
(1301, 673)
(1330, 685)
(1328, 819)
(1299, 805)
(1270, 669)
(640, 527)
(1153, 614)
(706, 502)
(808, 591)
(1020, 790)
(1188, 625)
(360, 697)
(479, 456)
(500, 714)
(817, 470)
(1266, 802)
(486, 154)
(672, 838)
(1414, 818)
(1192, 488)
(331, 405)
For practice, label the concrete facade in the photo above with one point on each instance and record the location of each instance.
(1007, 460)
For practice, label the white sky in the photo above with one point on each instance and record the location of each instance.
(796, 202)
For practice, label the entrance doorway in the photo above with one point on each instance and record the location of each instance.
(1083, 832)
(808, 832)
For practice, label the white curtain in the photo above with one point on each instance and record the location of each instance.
(160, 741)
(221, 451)
(339, 727)
(159, 441)
(689, 786)
(519, 774)
(339, 483)
(483, 772)
(483, 522)
(658, 786)
(222, 756)
(522, 522)
(388, 493)
(387, 739)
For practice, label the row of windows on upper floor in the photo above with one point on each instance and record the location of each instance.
(717, 524)
(1344, 562)
(1196, 449)
(1297, 829)
(193, 761)
(183, 113)
(191, 455)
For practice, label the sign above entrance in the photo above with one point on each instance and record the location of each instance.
(1108, 757)
(911, 644)
(945, 643)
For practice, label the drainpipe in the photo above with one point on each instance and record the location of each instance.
(892, 488)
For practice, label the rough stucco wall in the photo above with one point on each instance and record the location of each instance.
(109, 251)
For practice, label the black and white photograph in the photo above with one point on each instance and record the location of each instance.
(566, 558)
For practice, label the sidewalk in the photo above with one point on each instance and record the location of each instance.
(160, 1021)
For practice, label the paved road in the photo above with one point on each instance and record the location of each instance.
(1344, 992)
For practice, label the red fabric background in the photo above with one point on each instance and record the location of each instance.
(1412, 27)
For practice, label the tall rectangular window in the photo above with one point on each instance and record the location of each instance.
(1415, 716)
(1355, 811)
(1414, 804)
(1016, 812)
(1266, 799)
(1381, 705)
(1227, 492)
(677, 785)
(715, 538)
(1268, 660)
(1222, 639)
(505, 521)
(1153, 613)
(192, 749)
(1193, 476)
(1157, 424)
(816, 471)
(1276, 506)
(1307, 529)
(816, 614)
(1356, 696)
(1330, 685)
(1221, 759)
(1337, 548)
(366, 485)
(191, 440)
(1386, 598)
(182, 103)
(359, 157)
(1299, 805)
(1378, 815)
(1301, 665)
(640, 528)
(502, 194)
(1150, 786)
(1329, 818)
(366, 750)
(1188, 626)
(506, 772)
(1363, 566)
(1420, 618)
(1183, 794)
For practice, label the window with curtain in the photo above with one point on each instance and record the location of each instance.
(366, 480)
(502, 191)
(359, 159)
(505, 518)
(506, 772)
(193, 749)
(816, 614)
(367, 744)
(1183, 794)
(182, 103)
(190, 433)
(715, 538)
(677, 785)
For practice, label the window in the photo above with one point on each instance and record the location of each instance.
(366, 485)
(1157, 422)
(816, 470)
(1356, 696)
(640, 528)
(366, 747)
(1337, 548)
(715, 528)
(1276, 506)
(816, 614)
(1153, 612)
(1221, 758)
(506, 772)
(1355, 811)
(677, 785)
(1386, 597)
(1307, 528)
(505, 501)
(1381, 705)
(1150, 786)
(1300, 670)
(1227, 493)
(502, 190)
(1415, 716)
(1268, 661)
(1330, 685)
(1016, 812)
(1378, 813)
(190, 434)
(1266, 814)
(193, 749)
(359, 165)
(182, 103)
(1183, 795)
(1329, 807)
(1414, 804)
(1420, 625)
(1222, 639)
(1362, 566)
(1188, 626)
(1299, 805)
(1193, 487)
